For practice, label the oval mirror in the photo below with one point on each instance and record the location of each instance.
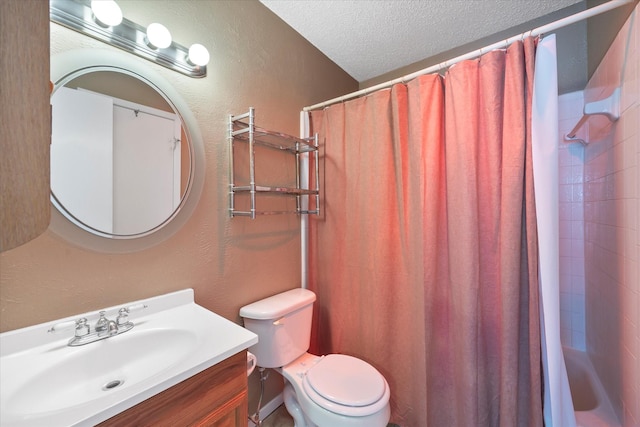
(124, 148)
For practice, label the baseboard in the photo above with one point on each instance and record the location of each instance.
(268, 408)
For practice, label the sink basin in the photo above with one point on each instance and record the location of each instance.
(51, 383)
(44, 385)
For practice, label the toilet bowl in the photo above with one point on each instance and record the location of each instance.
(335, 390)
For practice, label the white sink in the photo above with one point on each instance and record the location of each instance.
(46, 382)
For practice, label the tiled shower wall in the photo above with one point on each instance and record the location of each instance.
(571, 203)
(605, 305)
(612, 231)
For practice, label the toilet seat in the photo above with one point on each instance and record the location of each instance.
(346, 385)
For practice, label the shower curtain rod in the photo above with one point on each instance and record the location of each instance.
(613, 4)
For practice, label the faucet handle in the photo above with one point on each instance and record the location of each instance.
(103, 323)
(123, 313)
(123, 316)
(82, 328)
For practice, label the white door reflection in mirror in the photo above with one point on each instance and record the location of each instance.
(136, 150)
(82, 156)
(146, 164)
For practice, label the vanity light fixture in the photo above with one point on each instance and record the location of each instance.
(106, 12)
(88, 17)
(158, 36)
(198, 55)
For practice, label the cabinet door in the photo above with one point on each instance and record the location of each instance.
(232, 414)
(215, 397)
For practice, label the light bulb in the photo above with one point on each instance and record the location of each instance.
(106, 12)
(198, 55)
(158, 36)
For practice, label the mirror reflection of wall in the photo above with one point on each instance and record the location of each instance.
(120, 159)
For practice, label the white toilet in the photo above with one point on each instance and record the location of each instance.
(320, 391)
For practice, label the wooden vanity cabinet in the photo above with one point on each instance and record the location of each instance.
(215, 397)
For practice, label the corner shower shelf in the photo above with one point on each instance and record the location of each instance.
(243, 129)
(609, 107)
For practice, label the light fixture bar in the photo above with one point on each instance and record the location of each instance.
(128, 36)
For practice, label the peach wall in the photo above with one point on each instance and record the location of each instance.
(612, 227)
(256, 60)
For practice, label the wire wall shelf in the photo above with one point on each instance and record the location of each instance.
(242, 129)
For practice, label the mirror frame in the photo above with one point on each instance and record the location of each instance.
(66, 66)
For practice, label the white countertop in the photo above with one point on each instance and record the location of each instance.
(37, 366)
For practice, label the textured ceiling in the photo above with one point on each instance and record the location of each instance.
(368, 38)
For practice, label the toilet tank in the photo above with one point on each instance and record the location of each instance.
(283, 325)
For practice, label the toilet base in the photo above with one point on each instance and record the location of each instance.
(307, 413)
(293, 407)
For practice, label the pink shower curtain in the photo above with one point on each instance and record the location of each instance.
(425, 259)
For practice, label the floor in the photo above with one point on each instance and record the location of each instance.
(278, 418)
(281, 418)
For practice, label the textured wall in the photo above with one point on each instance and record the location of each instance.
(24, 163)
(256, 60)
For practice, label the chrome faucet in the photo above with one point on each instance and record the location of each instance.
(112, 328)
(103, 325)
(104, 328)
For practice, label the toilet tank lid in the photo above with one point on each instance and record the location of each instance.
(278, 305)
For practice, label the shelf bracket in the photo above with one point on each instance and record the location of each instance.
(609, 107)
